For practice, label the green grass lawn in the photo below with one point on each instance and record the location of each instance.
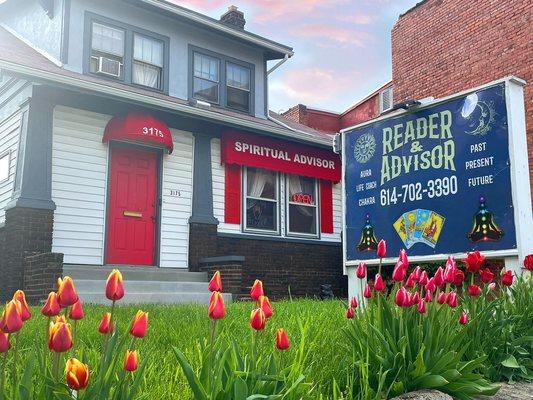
(184, 325)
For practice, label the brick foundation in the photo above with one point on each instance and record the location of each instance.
(231, 269)
(40, 275)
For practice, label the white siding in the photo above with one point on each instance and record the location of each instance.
(79, 176)
(176, 210)
(337, 216)
(9, 142)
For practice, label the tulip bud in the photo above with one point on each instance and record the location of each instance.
(4, 342)
(216, 309)
(401, 299)
(463, 319)
(474, 261)
(21, 297)
(421, 307)
(367, 293)
(486, 275)
(51, 308)
(11, 321)
(399, 272)
(349, 313)
(449, 274)
(257, 290)
(417, 273)
(361, 270)
(130, 361)
(215, 284)
(282, 341)
(415, 298)
(257, 319)
(528, 262)
(353, 303)
(507, 278)
(105, 325)
(428, 297)
(423, 280)
(474, 290)
(139, 325)
(439, 277)
(459, 277)
(410, 283)
(59, 337)
(452, 299)
(441, 298)
(77, 374)
(403, 258)
(76, 312)
(382, 249)
(264, 304)
(114, 288)
(66, 292)
(379, 285)
(61, 318)
(492, 286)
(431, 286)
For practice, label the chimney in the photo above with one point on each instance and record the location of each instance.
(233, 17)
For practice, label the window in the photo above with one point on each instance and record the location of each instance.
(147, 61)
(261, 204)
(206, 78)
(238, 87)
(302, 205)
(107, 51)
(4, 166)
(385, 100)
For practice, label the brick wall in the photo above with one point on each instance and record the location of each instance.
(441, 47)
(40, 275)
(364, 111)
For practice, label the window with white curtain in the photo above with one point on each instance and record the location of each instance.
(206, 81)
(302, 206)
(147, 61)
(238, 87)
(261, 201)
(107, 50)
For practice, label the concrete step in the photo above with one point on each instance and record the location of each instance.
(93, 285)
(152, 297)
(97, 272)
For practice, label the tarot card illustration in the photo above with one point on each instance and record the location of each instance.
(433, 228)
(419, 226)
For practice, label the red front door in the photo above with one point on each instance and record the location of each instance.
(132, 207)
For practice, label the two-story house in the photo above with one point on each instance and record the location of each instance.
(136, 133)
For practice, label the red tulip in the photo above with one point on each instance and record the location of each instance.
(139, 325)
(423, 280)
(463, 319)
(77, 374)
(439, 277)
(528, 262)
(486, 275)
(507, 278)
(415, 298)
(59, 337)
(417, 273)
(441, 298)
(421, 307)
(105, 325)
(428, 298)
(215, 284)
(4, 342)
(474, 290)
(257, 290)
(382, 249)
(402, 297)
(51, 308)
(361, 270)
(399, 272)
(459, 277)
(21, 297)
(349, 313)
(449, 274)
(216, 309)
(353, 303)
(282, 341)
(114, 289)
(452, 299)
(66, 292)
(431, 286)
(257, 319)
(403, 258)
(264, 304)
(12, 317)
(130, 361)
(411, 280)
(367, 293)
(474, 261)
(379, 285)
(76, 312)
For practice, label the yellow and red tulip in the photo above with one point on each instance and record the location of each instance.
(131, 361)
(21, 297)
(77, 374)
(105, 325)
(257, 319)
(139, 325)
(4, 342)
(216, 309)
(215, 284)
(76, 312)
(59, 337)
(264, 304)
(12, 317)
(51, 308)
(282, 341)
(257, 290)
(66, 292)
(114, 288)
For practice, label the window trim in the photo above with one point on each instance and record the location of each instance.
(219, 82)
(7, 154)
(129, 31)
(245, 197)
(223, 87)
(317, 205)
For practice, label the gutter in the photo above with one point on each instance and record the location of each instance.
(162, 103)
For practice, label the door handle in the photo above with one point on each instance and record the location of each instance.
(134, 214)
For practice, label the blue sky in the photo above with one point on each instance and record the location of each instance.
(342, 47)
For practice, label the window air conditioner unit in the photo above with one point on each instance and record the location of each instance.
(109, 66)
(386, 101)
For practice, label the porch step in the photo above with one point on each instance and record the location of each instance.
(142, 285)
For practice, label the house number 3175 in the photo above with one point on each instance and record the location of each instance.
(174, 192)
(151, 131)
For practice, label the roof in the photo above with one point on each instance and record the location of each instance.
(370, 95)
(19, 58)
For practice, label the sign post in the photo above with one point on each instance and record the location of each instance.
(449, 177)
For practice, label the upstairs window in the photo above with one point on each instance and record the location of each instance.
(107, 51)
(238, 87)
(206, 80)
(261, 204)
(147, 66)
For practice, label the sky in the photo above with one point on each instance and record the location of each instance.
(342, 47)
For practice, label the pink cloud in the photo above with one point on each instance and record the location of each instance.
(203, 5)
(271, 10)
(358, 18)
(346, 36)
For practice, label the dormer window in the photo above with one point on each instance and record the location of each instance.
(107, 51)
(238, 87)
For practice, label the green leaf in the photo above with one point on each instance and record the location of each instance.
(431, 381)
(194, 383)
(510, 362)
(240, 389)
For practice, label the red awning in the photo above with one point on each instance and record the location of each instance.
(139, 128)
(279, 155)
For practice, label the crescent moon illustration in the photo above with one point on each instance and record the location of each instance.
(485, 120)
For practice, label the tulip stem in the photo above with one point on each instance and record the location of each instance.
(46, 333)
(3, 376)
(74, 337)
(213, 326)
(15, 356)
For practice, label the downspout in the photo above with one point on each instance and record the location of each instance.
(276, 66)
